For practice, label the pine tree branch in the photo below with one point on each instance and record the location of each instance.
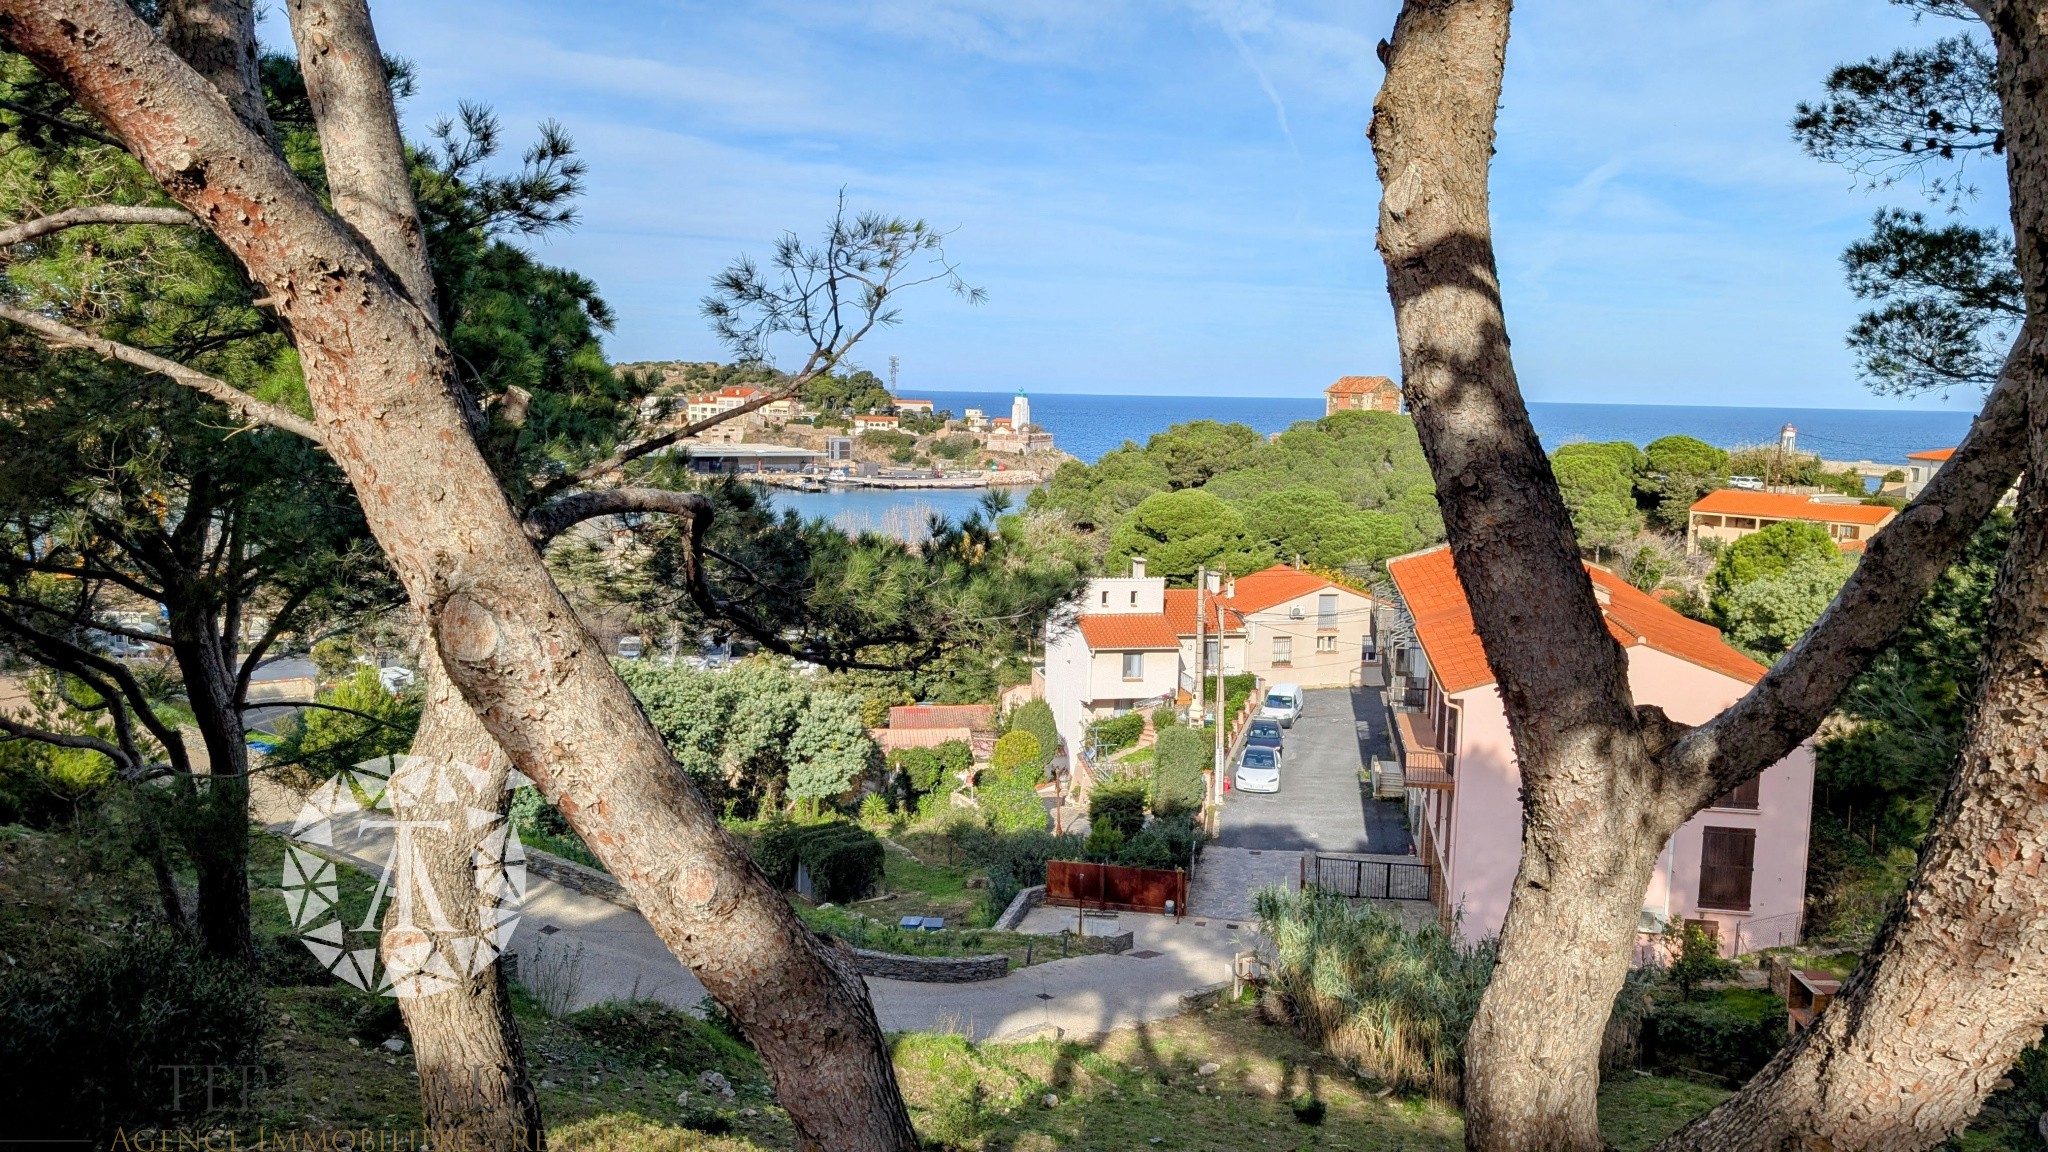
(92, 214)
(244, 405)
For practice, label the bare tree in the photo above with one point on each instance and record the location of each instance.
(1605, 782)
(391, 412)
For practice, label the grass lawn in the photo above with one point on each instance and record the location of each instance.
(1638, 1111)
(1752, 1003)
(871, 932)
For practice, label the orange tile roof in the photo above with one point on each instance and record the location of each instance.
(1120, 631)
(1358, 385)
(1443, 622)
(942, 716)
(890, 739)
(741, 392)
(1254, 593)
(874, 419)
(1789, 506)
(1932, 454)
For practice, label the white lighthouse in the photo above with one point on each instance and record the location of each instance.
(1020, 412)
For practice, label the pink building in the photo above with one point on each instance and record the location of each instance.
(1738, 867)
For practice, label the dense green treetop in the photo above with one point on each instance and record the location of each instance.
(1369, 462)
(1180, 532)
(1194, 452)
(1770, 552)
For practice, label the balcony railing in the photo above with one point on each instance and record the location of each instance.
(1423, 765)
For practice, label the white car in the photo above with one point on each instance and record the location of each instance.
(1283, 703)
(1258, 770)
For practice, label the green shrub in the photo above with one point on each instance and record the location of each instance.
(874, 810)
(1116, 733)
(1397, 1004)
(1180, 758)
(773, 845)
(1011, 803)
(1709, 1037)
(1035, 717)
(1169, 841)
(1018, 754)
(956, 757)
(92, 1046)
(1163, 717)
(844, 860)
(1105, 842)
(1699, 959)
(1119, 804)
(1013, 860)
(920, 767)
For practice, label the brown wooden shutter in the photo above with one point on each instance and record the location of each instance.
(1743, 795)
(1727, 862)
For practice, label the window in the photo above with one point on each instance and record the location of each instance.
(1283, 650)
(1706, 521)
(1727, 862)
(1134, 665)
(1134, 597)
(1326, 610)
(1212, 655)
(1105, 597)
(1326, 643)
(1843, 531)
(1741, 796)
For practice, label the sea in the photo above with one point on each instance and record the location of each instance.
(1090, 424)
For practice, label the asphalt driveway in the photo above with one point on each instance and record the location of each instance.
(1321, 803)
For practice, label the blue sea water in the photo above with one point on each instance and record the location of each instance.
(1090, 424)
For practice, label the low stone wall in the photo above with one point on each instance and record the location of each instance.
(931, 969)
(1019, 908)
(578, 878)
(1117, 944)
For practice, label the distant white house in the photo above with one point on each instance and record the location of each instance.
(1129, 643)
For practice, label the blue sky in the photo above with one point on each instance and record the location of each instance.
(1178, 198)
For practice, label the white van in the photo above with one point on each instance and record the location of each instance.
(1283, 703)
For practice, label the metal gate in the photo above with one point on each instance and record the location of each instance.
(1371, 878)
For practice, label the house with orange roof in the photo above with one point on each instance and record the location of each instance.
(1362, 393)
(1281, 624)
(1130, 643)
(1921, 467)
(1738, 868)
(1729, 514)
(874, 423)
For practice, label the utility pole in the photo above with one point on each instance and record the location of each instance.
(1222, 744)
(1201, 633)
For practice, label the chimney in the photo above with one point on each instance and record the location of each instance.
(1215, 582)
(1230, 588)
(1137, 567)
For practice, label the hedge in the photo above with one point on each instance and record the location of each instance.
(1035, 717)
(844, 859)
(1179, 759)
(1117, 732)
(1118, 804)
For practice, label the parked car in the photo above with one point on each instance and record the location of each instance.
(1258, 770)
(1283, 703)
(1266, 734)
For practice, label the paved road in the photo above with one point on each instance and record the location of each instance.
(1321, 803)
(618, 956)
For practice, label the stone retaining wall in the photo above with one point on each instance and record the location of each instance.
(1019, 908)
(931, 969)
(578, 878)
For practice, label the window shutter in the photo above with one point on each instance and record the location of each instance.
(1743, 795)
(1727, 864)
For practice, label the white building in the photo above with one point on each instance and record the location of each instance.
(1129, 642)
(1020, 412)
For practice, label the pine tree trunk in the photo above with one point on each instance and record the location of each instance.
(475, 1092)
(1957, 984)
(392, 415)
(214, 826)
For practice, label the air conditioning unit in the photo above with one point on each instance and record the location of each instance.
(1296, 613)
